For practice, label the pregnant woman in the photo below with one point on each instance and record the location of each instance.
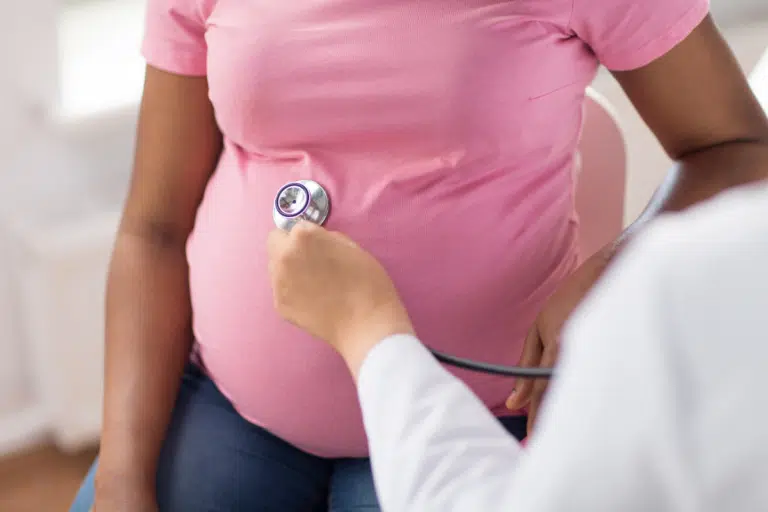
(438, 127)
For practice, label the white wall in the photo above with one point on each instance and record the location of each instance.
(55, 165)
(16, 123)
(733, 11)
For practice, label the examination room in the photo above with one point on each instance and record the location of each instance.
(384, 255)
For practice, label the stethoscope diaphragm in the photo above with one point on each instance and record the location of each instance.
(300, 200)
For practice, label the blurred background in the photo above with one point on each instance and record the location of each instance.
(69, 92)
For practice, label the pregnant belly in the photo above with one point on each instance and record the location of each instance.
(472, 278)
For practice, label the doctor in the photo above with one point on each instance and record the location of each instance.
(660, 400)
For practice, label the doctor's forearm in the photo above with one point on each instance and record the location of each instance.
(700, 176)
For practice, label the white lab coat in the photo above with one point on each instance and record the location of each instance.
(660, 403)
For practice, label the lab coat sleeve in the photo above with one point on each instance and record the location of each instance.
(430, 438)
(602, 433)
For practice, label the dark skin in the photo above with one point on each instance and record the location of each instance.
(148, 335)
(698, 103)
(695, 99)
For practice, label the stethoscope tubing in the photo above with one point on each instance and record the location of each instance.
(493, 369)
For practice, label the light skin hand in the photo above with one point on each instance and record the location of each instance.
(327, 285)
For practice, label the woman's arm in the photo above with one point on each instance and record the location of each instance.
(148, 333)
(698, 103)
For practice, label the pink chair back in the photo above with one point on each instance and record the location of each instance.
(601, 176)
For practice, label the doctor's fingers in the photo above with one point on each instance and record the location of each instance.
(531, 358)
(277, 241)
(282, 244)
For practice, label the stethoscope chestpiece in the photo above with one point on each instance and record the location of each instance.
(300, 200)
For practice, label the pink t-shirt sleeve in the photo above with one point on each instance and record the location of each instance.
(628, 34)
(174, 36)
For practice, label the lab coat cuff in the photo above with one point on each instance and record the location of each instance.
(384, 358)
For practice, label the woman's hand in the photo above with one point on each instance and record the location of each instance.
(542, 345)
(327, 285)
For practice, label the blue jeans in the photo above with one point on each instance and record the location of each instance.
(213, 460)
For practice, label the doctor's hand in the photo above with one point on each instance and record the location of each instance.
(327, 285)
(542, 345)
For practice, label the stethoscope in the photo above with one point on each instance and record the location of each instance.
(307, 200)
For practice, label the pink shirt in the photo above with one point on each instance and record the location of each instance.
(445, 133)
